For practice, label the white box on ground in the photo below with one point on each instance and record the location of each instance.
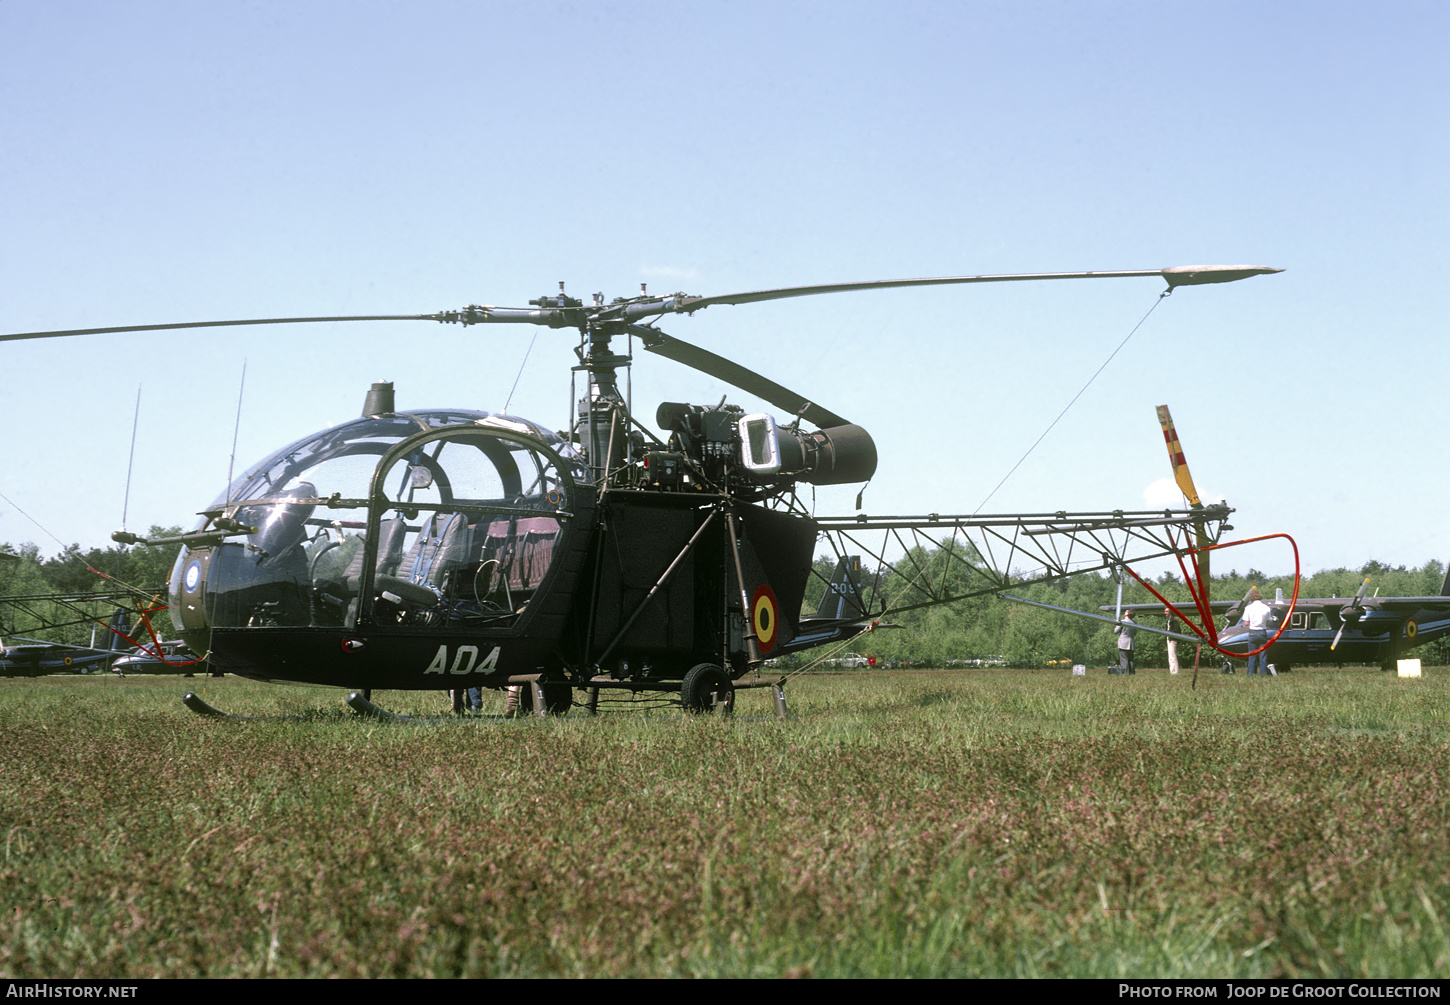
(1079, 670)
(1409, 668)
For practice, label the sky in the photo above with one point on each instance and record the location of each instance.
(175, 161)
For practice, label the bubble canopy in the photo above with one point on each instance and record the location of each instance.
(421, 518)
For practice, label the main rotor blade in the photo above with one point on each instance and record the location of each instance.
(578, 315)
(218, 324)
(749, 381)
(1182, 275)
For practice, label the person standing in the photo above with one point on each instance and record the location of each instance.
(1172, 626)
(1127, 630)
(1256, 619)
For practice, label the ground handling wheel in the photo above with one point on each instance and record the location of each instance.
(519, 699)
(558, 697)
(705, 689)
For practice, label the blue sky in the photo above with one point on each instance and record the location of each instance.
(174, 161)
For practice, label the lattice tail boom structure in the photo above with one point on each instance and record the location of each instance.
(923, 561)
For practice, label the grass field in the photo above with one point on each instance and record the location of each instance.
(933, 823)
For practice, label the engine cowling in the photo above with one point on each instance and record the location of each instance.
(833, 456)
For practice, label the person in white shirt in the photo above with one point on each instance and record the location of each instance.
(1256, 618)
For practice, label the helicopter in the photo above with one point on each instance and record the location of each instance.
(447, 549)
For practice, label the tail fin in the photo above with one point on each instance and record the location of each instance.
(842, 599)
(1445, 586)
(119, 626)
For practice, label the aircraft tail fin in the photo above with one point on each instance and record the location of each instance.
(1445, 586)
(119, 626)
(842, 600)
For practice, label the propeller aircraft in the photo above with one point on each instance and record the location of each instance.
(44, 658)
(444, 549)
(1358, 630)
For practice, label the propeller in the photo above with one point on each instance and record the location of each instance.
(1176, 458)
(1353, 611)
(216, 324)
(560, 311)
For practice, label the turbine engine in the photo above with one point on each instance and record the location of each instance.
(753, 450)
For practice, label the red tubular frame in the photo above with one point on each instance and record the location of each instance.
(144, 614)
(1198, 589)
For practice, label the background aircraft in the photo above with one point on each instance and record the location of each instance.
(1359, 630)
(113, 644)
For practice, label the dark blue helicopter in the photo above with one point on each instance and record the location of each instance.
(446, 549)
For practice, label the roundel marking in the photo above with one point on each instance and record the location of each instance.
(1411, 629)
(555, 497)
(193, 577)
(765, 618)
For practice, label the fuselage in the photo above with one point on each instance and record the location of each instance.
(1382, 635)
(447, 549)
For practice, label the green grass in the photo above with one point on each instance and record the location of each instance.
(903, 824)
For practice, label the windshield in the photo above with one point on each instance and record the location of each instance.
(441, 517)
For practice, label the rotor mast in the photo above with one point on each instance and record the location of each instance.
(603, 414)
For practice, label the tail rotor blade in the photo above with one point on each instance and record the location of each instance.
(1185, 485)
(1175, 457)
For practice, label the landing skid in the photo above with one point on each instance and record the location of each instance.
(359, 701)
(354, 701)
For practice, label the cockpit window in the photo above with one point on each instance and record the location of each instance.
(464, 524)
(478, 515)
